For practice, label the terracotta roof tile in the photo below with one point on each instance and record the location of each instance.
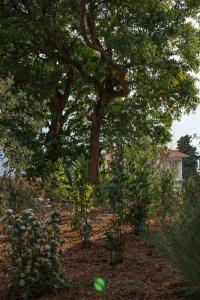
(174, 153)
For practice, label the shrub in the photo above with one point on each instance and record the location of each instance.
(166, 196)
(55, 184)
(179, 235)
(139, 172)
(191, 188)
(180, 242)
(115, 240)
(71, 184)
(16, 194)
(129, 193)
(115, 237)
(81, 193)
(34, 251)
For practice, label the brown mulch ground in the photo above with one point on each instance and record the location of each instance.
(142, 275)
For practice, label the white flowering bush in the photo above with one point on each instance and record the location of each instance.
(35, 253)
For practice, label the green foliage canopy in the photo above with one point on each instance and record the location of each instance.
(190, 163)
(93, 63)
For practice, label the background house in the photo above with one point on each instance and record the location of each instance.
(173, 159)
(169, 159)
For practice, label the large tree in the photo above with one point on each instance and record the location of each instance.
(190, 163)
(145, 49)
(138, 54)
(35, 42)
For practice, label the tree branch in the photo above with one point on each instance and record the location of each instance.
(93, 42)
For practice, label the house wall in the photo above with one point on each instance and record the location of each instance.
(165, 163)
(176, 163)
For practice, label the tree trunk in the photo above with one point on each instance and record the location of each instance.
(57, 106)
(52, 137)
(93, 167)
(94, 150)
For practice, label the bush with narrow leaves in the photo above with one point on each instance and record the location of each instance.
(72, 184)
(140, 173)
(34, 251)
(115, 194)
(167, 196)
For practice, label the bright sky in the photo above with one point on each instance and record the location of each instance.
(188, 124)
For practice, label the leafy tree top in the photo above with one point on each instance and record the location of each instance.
(79, 58)
(190, 163)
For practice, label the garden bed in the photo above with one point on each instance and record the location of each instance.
(142, 275)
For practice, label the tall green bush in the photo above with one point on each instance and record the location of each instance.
(140, 173)
(72, 185)
(115, 192)
(81, 194)
(55, 184)
(166, 196)
(179, 238)
(191, 188)
(129, 192)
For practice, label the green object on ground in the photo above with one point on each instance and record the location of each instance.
(99, 284)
